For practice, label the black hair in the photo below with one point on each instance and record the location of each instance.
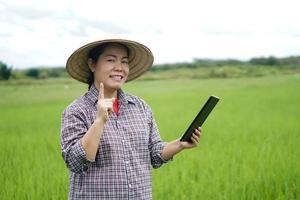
(94, 55)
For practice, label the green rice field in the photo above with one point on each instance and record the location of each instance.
(250, 148)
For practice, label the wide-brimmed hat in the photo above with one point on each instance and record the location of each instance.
(139, 61)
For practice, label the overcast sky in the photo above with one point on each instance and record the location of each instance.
(45, 33)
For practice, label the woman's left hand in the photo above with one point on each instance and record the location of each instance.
(176, 146)
(195, 138)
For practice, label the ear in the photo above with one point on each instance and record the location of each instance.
(92, 65)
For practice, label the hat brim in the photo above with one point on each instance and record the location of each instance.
(139, 61)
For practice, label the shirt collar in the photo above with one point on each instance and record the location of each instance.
(125, 98)
(93, 95)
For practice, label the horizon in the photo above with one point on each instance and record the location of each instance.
(171, 63)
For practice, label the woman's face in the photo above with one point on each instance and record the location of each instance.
(112, 67)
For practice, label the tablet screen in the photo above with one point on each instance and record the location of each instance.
(201, 117)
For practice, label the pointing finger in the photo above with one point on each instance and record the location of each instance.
(101, 91)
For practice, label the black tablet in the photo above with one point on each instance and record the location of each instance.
(201, 117)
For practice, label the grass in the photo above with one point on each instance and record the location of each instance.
(249, 150)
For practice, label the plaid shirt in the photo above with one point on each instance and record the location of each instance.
(130, 144)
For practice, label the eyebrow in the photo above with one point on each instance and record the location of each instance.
(115, 56)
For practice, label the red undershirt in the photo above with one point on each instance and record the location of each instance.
(116, 107)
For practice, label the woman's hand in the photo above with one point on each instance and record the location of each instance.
(194, 139)
(104, 106)
(176, 146)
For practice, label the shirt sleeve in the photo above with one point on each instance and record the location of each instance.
(156, 145)
(72, 130)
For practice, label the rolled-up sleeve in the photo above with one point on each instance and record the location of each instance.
(72, 130)
(156, 145)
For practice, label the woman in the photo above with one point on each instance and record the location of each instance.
(109, 139)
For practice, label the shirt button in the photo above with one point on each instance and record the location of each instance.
(127, 162)
(123, 141)
(129, 185)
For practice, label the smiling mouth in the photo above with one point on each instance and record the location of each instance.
(116, 77)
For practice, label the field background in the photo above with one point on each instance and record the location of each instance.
(250, 147)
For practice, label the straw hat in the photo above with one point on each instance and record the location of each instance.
(140, 59)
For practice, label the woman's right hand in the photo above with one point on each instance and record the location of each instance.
(104, 106)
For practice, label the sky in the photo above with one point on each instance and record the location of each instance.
(44, 33)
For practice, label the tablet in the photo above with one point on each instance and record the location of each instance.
(201, 117)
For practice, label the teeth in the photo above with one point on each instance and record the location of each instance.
(117, 77)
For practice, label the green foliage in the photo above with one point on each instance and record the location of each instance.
(56, 72)
(199, 68)
(41, 73)
(33, 73)
(292, 61)
(237, 71)
(213, 63)
(254, 62)
(271, 61)
(5, 71)
(229, 68)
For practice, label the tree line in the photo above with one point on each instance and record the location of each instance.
(291, 62)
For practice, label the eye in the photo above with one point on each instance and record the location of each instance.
(110, 60)
(125, 62)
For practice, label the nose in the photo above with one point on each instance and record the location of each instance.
(118, 66)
